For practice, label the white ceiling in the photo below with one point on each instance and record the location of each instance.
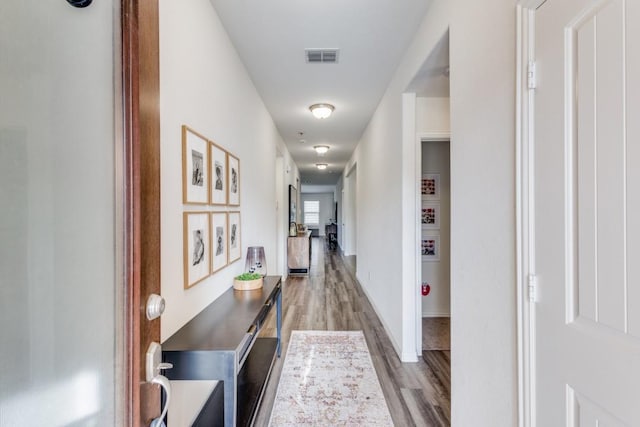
(271, 37)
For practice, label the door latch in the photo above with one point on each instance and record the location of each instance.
(153, 367)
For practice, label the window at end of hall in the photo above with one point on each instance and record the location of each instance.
(311, 212)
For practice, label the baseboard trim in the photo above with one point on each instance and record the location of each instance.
(409, 357)
(403, 356)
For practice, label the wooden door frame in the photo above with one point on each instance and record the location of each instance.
(140, 122)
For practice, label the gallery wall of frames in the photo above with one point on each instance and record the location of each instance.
(211, 198)
(430, 190)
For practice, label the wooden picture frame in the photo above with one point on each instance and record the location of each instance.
(196, 247)
(430, 186)
(219, 250)
(233, 180)
(430, 247)
(235, 237)
(430, 215)
(293, 200)
(195, 167)
(218, 168)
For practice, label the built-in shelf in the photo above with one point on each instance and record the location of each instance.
(252, 380)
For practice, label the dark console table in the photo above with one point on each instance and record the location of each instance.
(222, 343)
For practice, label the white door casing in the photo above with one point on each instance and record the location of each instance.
(586, 206)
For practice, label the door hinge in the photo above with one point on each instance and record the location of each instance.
(532, 284)
(531, 75)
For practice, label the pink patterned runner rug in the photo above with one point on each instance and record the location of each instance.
(328, 379)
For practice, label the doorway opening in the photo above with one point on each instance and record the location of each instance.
(430, 88)
(350, 212)
(435, 237)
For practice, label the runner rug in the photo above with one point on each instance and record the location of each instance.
(328, 379)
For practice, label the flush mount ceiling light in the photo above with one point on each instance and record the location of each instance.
(321, 149)
(321, 166)
(322, 111)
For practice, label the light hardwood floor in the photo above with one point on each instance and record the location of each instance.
(418, 394)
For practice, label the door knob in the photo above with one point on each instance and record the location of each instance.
(155, 306)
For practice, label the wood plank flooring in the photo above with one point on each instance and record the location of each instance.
(330, 298)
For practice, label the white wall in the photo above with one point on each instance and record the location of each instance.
(432, 115)
(327, 208)
(307, 188)
(204, 85)
(384, 213)
(483, 306)
(435, 159)
(482, 57)
(281, 206)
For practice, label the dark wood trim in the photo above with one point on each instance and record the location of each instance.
(149, 212)
(141, 88)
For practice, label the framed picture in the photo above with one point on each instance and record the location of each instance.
(218, 175)
(233, 178)
(430, 215)
(197, 241)
(293, 200)
(430, 248)
(195, 167)
(430, 187)
(219, 250)
(235, 243)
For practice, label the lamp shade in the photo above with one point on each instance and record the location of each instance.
(256, 262)
(321, 166)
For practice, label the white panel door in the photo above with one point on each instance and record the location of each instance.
(587, 213)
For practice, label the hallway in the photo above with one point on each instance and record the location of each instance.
(331, 299)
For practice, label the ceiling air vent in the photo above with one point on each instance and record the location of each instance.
(317, 56)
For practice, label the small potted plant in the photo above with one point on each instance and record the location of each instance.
(248, 281)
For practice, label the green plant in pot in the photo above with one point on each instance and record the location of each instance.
(248, 281)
